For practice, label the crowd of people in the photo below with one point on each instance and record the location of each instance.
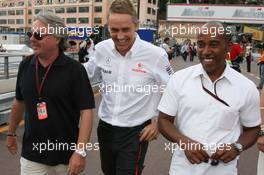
(209, 104)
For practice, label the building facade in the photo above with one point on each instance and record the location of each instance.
(17, 15)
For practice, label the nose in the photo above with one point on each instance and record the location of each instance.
(206, 50)
(32, 38)
(120, 35)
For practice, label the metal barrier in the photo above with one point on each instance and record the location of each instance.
(9, 63)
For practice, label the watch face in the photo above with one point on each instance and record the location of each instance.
(239, 147)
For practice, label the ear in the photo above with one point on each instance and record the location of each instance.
(58, 40)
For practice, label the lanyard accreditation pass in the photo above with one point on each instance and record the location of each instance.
(41, 105)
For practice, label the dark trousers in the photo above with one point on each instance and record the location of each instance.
(121, 152)
(248, 59)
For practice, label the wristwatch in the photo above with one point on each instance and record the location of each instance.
(81, 152)
(261, 133)
(238, 147)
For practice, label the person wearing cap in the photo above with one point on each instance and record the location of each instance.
(216, 110)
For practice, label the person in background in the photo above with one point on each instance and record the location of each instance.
(167, 48)
(248, 56)
(261, 69)
(86, 50)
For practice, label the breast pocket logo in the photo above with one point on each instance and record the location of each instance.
(139, 68)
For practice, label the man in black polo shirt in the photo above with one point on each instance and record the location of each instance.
(56, 95)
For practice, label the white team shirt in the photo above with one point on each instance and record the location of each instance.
(126, 81)
(206, 120)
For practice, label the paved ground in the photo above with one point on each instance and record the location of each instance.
(157, 160)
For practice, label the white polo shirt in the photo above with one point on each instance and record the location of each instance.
(206, 120)
(130, 83)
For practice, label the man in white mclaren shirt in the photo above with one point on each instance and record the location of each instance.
(134, 73)
(216, 111)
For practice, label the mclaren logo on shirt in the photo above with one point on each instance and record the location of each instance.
(139, 68)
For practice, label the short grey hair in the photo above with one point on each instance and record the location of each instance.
(50, 18)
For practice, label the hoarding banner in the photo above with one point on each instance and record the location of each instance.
(205, 13)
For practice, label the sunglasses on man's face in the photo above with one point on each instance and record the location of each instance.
(36, 35)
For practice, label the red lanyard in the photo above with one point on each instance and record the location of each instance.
(40, 86)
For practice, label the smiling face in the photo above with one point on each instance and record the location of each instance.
(122, 30)
(47, 45)
(212, 52)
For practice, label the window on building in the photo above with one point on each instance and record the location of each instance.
(12, 4)
(11, 12)
(3, 13)
(149, 1)
(11, 21)
(71, 10)
(19, 12)
(4, 37)
(153, 12)
(72, 1)
(29, 21)
(83, 20)
(12, 30)
(19, 21)
(84, 0)
(71, 20)
(61, 1)
(37, 11)
(21, 3)
(98, 0)
(3, 21)
(98, 9)
(149, 10)
(83, 9)
(20, 30)
(29, 12)
(29, 3)
(49, 1)
(38, 2)
(97, 20)
(154, 1)
(60, 10)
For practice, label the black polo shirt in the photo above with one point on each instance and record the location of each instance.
(66, 91)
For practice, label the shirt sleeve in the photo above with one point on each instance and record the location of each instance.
(19, 95)
(250, 113)
(92, 69)
(169, 100)
(163, 69)
(83, 93)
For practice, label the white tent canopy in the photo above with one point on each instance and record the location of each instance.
(17, 48)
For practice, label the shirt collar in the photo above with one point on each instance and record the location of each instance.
(60, 61)
(133, 49)
(226, 74)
